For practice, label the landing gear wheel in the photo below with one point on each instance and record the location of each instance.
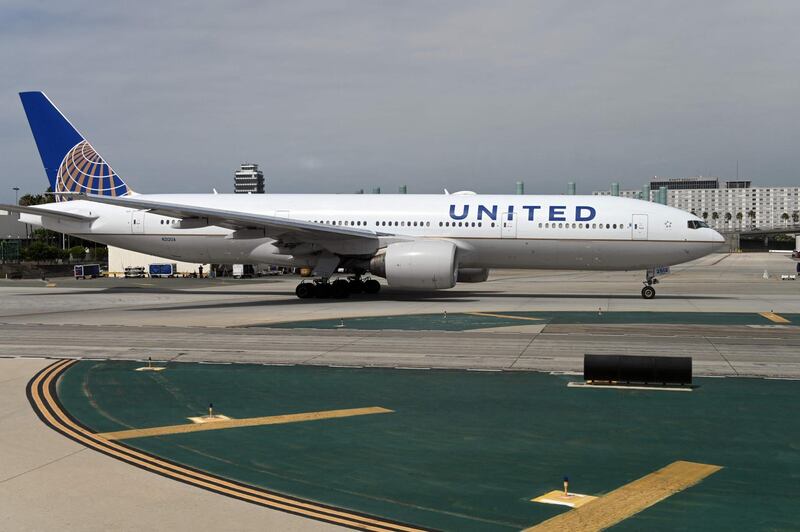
(304, 290)
(648, 292)
(356, 286)
(323, 291)
(340, 289)
(372, 286)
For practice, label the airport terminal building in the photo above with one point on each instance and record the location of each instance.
(726, 205)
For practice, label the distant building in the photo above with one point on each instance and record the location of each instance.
(119, 259)
(11, 228)
(738, 205)
(12, 233)
(685, 183)
(248, 179)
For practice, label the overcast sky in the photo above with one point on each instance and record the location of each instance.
(335, 96)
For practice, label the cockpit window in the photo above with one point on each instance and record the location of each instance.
(696, 224)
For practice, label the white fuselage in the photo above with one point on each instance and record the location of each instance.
(490, 231)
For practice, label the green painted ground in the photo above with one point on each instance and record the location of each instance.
(462, 322)
(465, 450)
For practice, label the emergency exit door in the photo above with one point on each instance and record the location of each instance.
(639, 227)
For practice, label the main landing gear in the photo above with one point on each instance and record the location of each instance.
(648, 292)
(338, 289)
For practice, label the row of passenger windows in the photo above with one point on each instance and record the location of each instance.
(545, 225)
(574, 225)
(382, 224)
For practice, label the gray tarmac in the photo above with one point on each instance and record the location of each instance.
(717, 283)
(47, 480)
(210, 320)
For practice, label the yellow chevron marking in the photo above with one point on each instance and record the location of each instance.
(771, 316)
(630, 499)
(236, 423)
(507, 316)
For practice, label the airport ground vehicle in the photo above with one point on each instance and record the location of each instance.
(134, 272)
(243, 271)
(84, 271)
(162, 270)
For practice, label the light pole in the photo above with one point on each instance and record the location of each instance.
(16, 195)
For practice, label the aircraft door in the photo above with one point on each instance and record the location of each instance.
(508, 225)
(639, 227)
(137, 222)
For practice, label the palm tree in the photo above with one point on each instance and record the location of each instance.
(752, 215)
(715, 217)
(796, 216)
(785, 218)
(705, 215)
(739, 217)
(728, 217)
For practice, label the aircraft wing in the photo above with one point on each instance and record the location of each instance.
(43, 211)
(337, 239)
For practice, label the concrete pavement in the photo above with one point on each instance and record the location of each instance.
(48, 482)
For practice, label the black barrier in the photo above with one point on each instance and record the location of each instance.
(637, 369)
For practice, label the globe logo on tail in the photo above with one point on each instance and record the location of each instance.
(83, 170)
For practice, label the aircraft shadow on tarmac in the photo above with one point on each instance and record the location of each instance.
(405, 297)
(154, 290)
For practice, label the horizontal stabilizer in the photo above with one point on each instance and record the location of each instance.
(41, 211)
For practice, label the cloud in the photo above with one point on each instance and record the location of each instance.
(463, 95)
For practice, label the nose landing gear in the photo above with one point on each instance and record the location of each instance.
(648, 292)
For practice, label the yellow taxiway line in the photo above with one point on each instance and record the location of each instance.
(771, 316)
(246, 422)
(507, 316)
(630, 499)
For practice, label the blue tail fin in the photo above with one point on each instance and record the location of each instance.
(71, 163)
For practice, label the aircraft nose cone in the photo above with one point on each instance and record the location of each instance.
(718, 238)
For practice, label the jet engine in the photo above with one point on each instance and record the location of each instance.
(472, 275)
(420, 265)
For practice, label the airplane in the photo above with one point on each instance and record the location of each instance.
(413, 241)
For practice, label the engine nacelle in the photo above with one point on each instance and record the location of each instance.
(421, 265)
(472, 275)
